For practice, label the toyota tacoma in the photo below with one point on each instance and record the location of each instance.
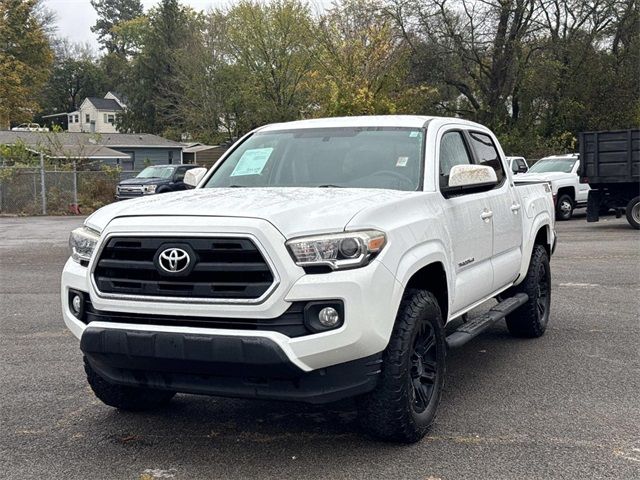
(317, 260)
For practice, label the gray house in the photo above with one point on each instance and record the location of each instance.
(130, 151)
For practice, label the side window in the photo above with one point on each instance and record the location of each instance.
(453, 151)
(486, 153)
(515, 165)
(179, 177)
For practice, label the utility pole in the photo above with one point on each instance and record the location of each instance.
(75, 209)
(43, 191)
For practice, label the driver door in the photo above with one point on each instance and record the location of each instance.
(470, 232)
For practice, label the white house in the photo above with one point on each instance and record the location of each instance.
(97, 115)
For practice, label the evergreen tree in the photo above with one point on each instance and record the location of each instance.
(110, 14)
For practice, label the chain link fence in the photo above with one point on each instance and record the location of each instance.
(32, 191)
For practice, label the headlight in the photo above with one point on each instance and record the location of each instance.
(82, 242)
(337, 251)
(150, 189)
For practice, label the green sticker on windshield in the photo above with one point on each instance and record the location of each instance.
(252, 162)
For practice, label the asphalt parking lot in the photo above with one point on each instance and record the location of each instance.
(563, 406)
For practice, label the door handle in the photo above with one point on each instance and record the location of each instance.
(486, 215)
(515, 207)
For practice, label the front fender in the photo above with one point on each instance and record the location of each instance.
(420, 256)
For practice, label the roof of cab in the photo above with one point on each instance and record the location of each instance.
(408, 121)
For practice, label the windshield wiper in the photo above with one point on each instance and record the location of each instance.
(328, 185)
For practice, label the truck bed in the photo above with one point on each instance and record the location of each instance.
(610, 157)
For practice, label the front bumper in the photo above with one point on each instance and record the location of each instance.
(220, 365)
(370, 295)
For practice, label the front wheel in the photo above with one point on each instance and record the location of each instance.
(404, 403)
(564, 208)
(633, 213)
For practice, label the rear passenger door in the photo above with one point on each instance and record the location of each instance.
(506, 211)
(471, 236)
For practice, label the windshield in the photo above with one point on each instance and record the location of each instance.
(564, 165)
(156, 172)
(336, 157)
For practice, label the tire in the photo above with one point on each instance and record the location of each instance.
(125, 397)
(564, 207)
(531, 319)
(163, 190)
(404, 403)
(633, 213)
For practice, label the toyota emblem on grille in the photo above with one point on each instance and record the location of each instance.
(174, 260)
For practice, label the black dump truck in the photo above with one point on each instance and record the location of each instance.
(610, 164)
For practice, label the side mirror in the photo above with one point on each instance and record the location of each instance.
(471, 177)
(193, 176)
(523, 169)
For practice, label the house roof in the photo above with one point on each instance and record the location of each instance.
(111, 140)
(104, 103)
(200, 148)
(90, 152)
(119, 96)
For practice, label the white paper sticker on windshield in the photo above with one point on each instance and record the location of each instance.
(413, 134)
(402, 161)
(252, 162)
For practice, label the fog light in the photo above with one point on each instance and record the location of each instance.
(76, 304)
(329, 317)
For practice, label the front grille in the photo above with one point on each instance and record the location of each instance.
(137, 189)
(221, 268)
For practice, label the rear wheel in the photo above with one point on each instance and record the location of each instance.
(633, 213)
(125, 397)
(531, 319)
(404, 404)
(564, 208)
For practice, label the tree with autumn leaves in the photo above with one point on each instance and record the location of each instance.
(26, 57)
(536, 71)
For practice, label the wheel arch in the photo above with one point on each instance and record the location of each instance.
(427, 266)
(567, 190)
(541, 234)
(543, 237)
(432, 277)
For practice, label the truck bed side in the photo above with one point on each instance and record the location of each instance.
(610, 157)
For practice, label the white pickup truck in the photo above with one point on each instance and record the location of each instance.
(318, 260)
(561, 171)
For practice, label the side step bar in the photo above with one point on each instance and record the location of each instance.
(476, 326)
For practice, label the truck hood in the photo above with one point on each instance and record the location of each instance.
(293, 211)
(544, 177)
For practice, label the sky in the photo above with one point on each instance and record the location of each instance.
(74, 18)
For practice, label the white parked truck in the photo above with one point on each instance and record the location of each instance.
(561, 171)
(317, 260)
